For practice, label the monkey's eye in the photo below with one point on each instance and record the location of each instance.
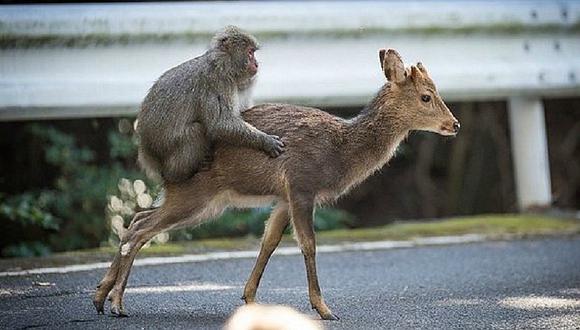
(426, 98)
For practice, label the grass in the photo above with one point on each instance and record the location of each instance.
(493, 226)
(177, 248)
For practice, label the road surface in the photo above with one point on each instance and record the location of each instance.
(497, 285)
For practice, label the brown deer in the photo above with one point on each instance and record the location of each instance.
(325, 157)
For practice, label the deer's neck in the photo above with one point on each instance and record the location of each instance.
(373, 136)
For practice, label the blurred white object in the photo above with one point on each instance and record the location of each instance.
(265, 317)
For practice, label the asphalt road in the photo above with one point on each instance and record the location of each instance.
(494, 285)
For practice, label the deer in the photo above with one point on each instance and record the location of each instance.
(325, 157)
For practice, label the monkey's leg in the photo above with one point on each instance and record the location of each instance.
(187, 156)
(108, 280)
(272, 235)
(302, 211)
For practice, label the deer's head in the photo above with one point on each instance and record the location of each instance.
(415, 98)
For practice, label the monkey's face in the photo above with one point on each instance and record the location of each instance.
(245, 58)
(240, 47)
(252, 64)
(244, 63)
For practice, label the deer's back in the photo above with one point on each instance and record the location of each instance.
(311, 159)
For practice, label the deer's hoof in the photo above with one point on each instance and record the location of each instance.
(330, 317)
(326, 314)
(99, 306)
(247, 300)
(118, 311)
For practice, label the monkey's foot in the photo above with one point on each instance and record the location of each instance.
(205, 165)
(206, 162)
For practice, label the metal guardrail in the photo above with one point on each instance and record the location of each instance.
(285, 18)
(99, 59)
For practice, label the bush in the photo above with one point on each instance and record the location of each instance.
(69, 214)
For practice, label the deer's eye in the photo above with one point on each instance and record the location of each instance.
(426, 98)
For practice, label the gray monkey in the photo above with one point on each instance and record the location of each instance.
(198, 103)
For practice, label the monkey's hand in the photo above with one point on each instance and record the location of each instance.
(274, 146)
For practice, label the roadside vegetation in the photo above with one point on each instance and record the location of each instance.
(90, 201)
(73, 185)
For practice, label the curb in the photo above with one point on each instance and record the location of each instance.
(283, 251)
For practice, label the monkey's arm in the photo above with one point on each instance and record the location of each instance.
(231, 128)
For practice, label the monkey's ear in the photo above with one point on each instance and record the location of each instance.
(221, 40)
(393, 67)
(223, 43)
(382, 52)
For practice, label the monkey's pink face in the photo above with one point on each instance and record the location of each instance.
(252, 63)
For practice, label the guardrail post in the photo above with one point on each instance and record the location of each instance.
(530, 151)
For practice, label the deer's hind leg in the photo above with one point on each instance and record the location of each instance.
(179, 211)
(137, 235)
(279, 219)
(105, 286)
(108, 281)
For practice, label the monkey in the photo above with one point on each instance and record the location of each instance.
(198, 103)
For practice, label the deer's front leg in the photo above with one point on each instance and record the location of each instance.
(302, 211)
(272, 235)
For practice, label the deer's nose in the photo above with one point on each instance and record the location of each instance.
(456, 126)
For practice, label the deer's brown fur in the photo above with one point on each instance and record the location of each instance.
(324, 158)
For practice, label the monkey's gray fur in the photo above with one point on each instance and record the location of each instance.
(198, 103)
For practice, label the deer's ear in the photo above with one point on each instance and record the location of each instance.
(416, 74)
(382, 52)
(393, 66)
(422, 69)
